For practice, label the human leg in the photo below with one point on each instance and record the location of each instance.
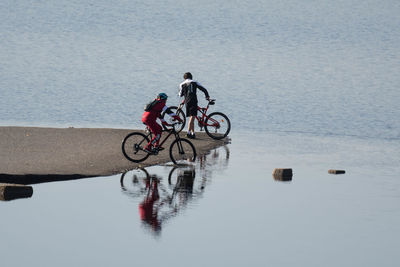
(156, 130)
(191, 112)
(191, 124)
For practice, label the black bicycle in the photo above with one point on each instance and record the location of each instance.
(181, 150)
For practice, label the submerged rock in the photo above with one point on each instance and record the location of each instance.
(336, 171)
(282, 174)
(15, 191)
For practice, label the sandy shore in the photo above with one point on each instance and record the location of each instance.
(75, 152)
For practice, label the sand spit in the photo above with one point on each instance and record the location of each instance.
(57, 153)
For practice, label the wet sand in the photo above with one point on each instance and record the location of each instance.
(76, 152)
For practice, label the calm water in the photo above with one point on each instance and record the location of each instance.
(310, 86)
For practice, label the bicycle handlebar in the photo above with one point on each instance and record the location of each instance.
(170, 124)
(209, 101)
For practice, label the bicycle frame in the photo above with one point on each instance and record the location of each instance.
(170, 132)
(202, 118)
(180, 149)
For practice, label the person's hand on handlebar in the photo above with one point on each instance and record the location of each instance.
(176, 118)
(165, 123)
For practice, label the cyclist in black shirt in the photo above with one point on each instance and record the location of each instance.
(188, 89)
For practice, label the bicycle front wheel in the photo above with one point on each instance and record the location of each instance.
(182, 151)
(217, 125)
(132, 147)
(179, 127)
(133, 183)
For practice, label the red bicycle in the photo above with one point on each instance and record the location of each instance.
(216, 124)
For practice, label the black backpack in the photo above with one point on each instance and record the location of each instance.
(150, 105)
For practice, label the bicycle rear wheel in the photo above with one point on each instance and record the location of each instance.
(132, 147)
(179, 172)
(182, 151)
(169, 119)
(217, 125)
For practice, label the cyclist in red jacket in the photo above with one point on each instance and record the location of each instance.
(153, 111)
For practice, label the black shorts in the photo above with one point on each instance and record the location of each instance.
(191, 109)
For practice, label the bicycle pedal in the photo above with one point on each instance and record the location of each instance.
(151, 151)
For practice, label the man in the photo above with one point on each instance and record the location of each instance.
(188, 89)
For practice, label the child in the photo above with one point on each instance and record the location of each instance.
(153, 111)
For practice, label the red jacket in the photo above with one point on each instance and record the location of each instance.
(154, 113)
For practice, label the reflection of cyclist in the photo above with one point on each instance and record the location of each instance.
(153, 111)
(188, 89)
(161, 203)
(146, 208)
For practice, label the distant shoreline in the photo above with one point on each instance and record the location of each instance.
(40, 154)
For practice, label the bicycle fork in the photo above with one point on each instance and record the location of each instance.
(180, 148)
(179, 143)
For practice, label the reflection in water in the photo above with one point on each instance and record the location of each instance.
(218, 157)
(282, 178)
(160, 201)
(147, 209)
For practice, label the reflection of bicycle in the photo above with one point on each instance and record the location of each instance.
(159, 203)
(216, 124)
(218, 157)
(181, 150)
(180, 179)
(135, 184)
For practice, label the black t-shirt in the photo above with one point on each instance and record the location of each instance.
(188, 89)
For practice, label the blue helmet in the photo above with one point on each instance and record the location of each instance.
(162, 96)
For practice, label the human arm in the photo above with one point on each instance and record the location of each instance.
(204, 90)
(164, 122)
(167, 110)
(181, 90)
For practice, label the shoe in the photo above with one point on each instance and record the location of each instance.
(191, 136)
(148, 150)
(157, 148)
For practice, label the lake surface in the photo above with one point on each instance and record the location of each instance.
(310, 86)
